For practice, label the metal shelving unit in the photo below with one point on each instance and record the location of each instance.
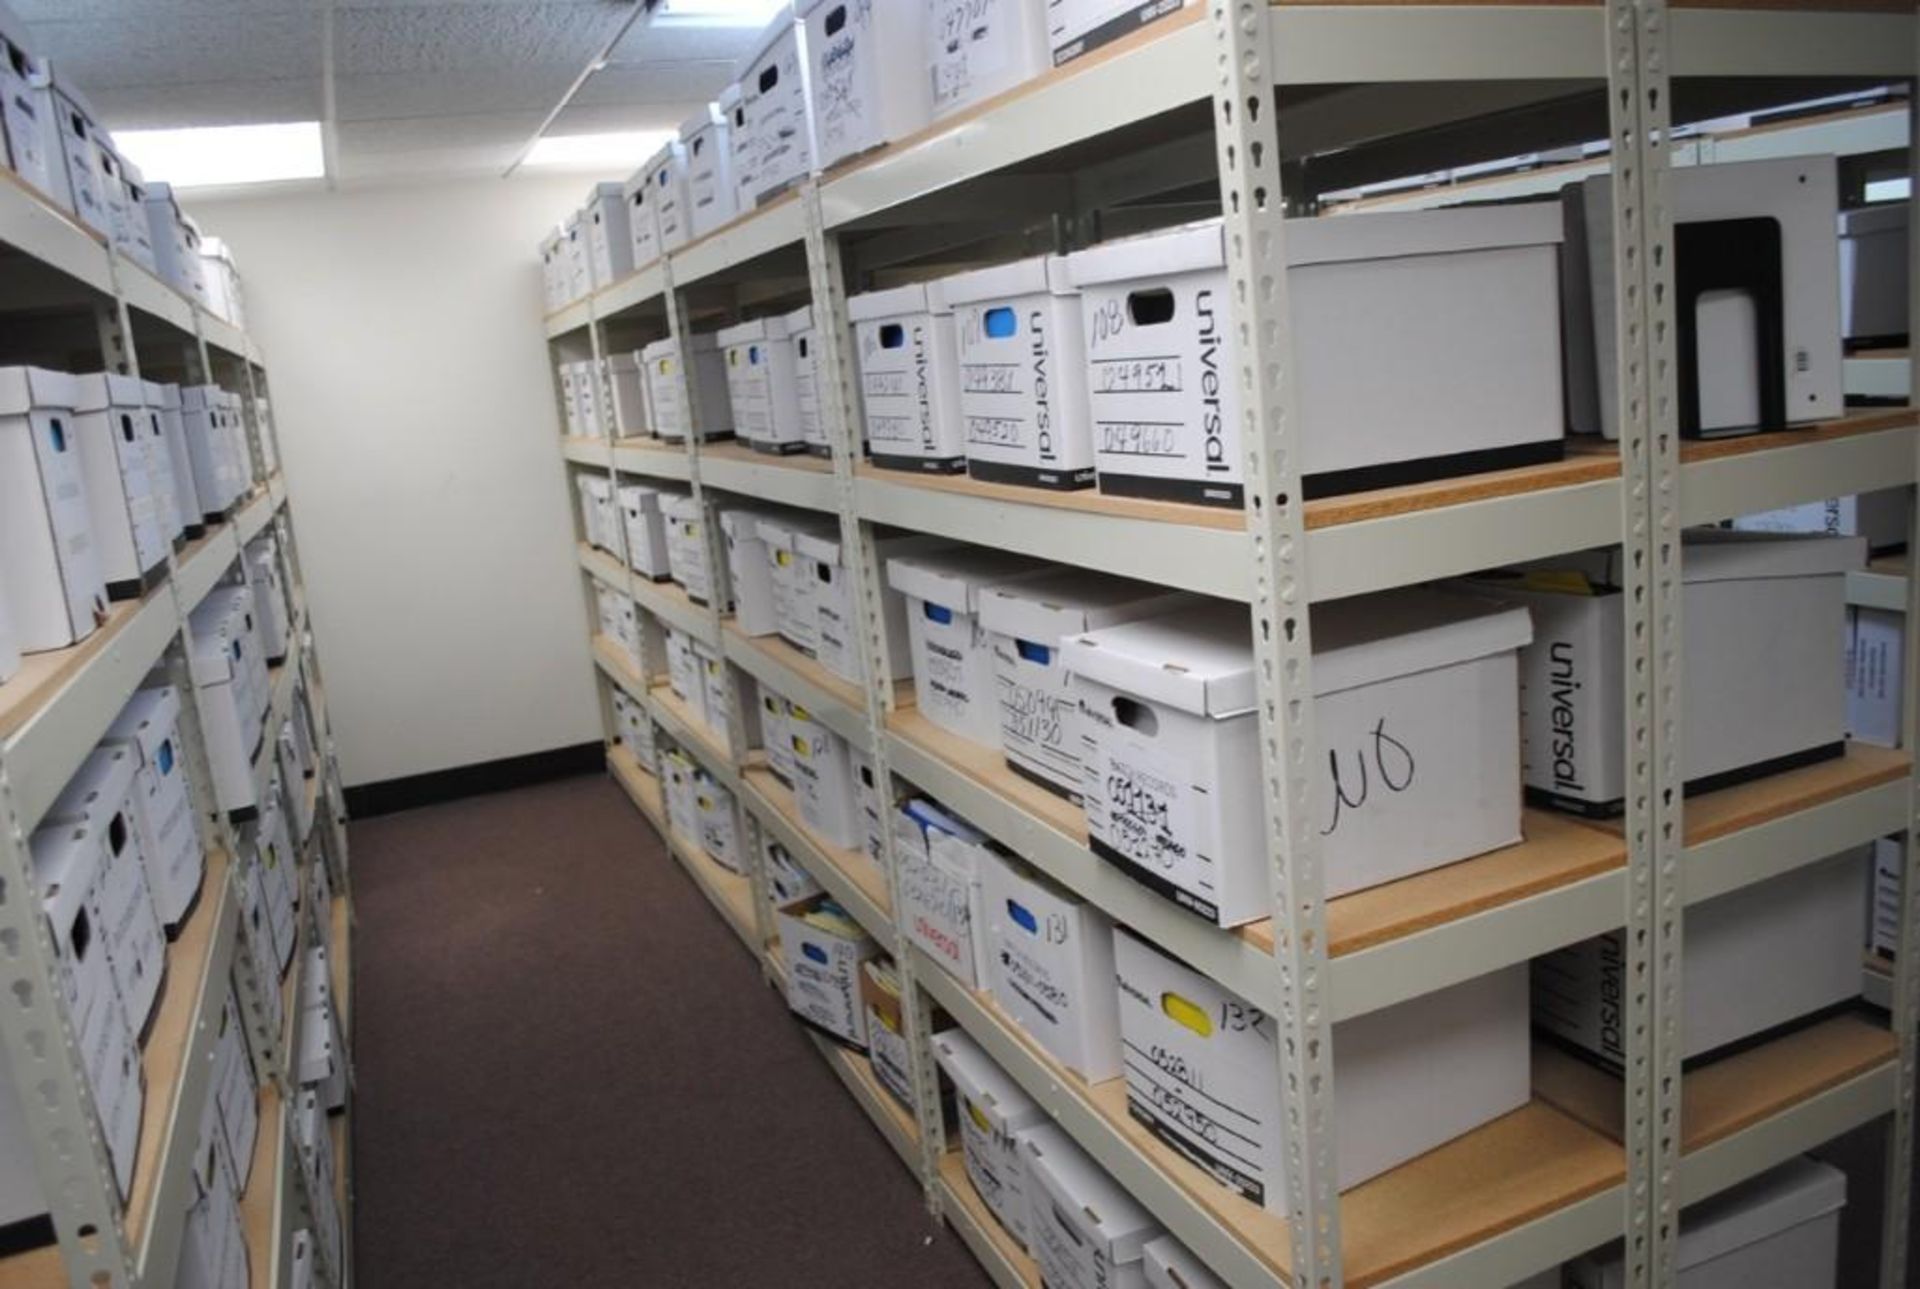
(53, 712)
(1147, 132)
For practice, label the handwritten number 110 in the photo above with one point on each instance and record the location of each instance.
(1392, 766)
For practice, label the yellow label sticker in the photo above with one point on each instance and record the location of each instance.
(980, 1120)
(1188, 1013)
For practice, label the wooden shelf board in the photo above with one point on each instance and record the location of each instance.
(705, 745)
(1863, 421)
(41, 1268)
(808, 670)
(988, 770)
(643, 787)
(850, 864)
(1891, 565)
(1712, 815)
(669, 592)
(615, 659)
(735, 451)
(1733, 1093)
(1086, 500)
(339, 958)
(337, 1130)
(856, 1069)
(731, 891)
(41, 677)
(960, 1194)
(263, 1184)
(603, 567)
(163, 1058)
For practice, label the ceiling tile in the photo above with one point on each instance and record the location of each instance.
(153, 107)
(646, 43)
(614, 118)
(146, 48)
(654, 83)
(422, 133)
(470, 37)
(369, 97)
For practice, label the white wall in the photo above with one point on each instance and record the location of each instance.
(410, 384)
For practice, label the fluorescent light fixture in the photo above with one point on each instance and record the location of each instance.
(216, 156)
(716, 13)
(629, 148)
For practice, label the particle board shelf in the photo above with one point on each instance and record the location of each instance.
(848, 875)
(199, 566)
(1865, 450)
(1531, 1165)
(797, 480)
(833, 701)
(670, 603)
(729, 892)
(340, 960)
(640, 287)
(32, 225)
(613, 660)
(604, 568)
(771, 226)
(572, 318)
(1882, 584)
(254, 514)
(1783, 1096)
(42, 1268)
(583, 450)
(264, 1211)
(643, 787)
(895, 1122)
(337, 1129)
(691, 733)
(1006, 1263)
(654, 458)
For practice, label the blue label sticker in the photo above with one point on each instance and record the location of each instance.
(165, 757)
(1034, 652)
(1020, 914)
(815, 952)
(936, 612)
(1001, 323)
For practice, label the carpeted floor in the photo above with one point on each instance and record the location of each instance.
(570, 1073)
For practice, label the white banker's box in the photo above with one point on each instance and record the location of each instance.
(1873, 275)
(796, 589)
(823, 779)
(750, 572)
(26, 112)
(1763, 681)
(186, 498)
(683, 809)
(773, 100)
(706, 381)
(761, 385)
(837, 640)
(909, 362)
(222, 643)
(1026, 620)
(980, 48)
(1755, 958)
(1087, 1230)
(1169, 1265)
(993, 1110)
(620, 623)
(1416, 712)
(706, 138)
(672, 206)
(1076, 26)
(56, 595)
(1884, 517)
(714, 805)
(952, 657)
(109, 420)
(609, 237)
(1780, 1230)
(687, 545)
(646, 530)
(823, 948)
(1023, 374)
(867, 80)
(938, 862)
(643, 223)
(1050, 966)
(627, 384)
(1200, 1071)
(149, 727)
(9, 646)
(813, 431)
(1426, 344)
(683, 674)
(1875, 640)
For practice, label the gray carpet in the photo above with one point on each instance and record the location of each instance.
(570, 1073)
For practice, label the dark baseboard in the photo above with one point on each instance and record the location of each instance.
(366, 800)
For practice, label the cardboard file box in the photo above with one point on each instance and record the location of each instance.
(110, 424)
(1755, 959)
(1875, 639)
(164, 401)
(645, 525)
(1780, 1230)
(1026, 621)
(126, 193)
(75, 131)
(148, 729)
(835, 616)
(609, 238)
(948, 647)
(607, 527)
(1416, 712)
(213, 1243)
(56, 595)
(70, 865)
(261, 559)
(687, 560)
(992, 1111)
(718, 702)
(1023, 374)
(1756, 289)
(773, 100)
(683, 811)
(295, 771)
(1889, 863)
(634, 728)
(887, 1048)
(151, 427)
(743, 146)
(823, 948)
(565, 373)
(26, 113)
(620, 623)
(1203, 1076)
(909, 361)
(776, 734)
(1425, 346)
(1169, 1265)
(823, 779)
(813, 430)
(672, 206)
(552, 275)
(1884, 518)
(99, 808)
(579, 256)
(1077, 26)
(867, 80)
(718, 836)
(1873, 276)
(787, 880)
(706, 381)
(980, 48)
(591, 400)
(875, 809)
(749, 571)
(705, 137)
(937, 859)
(1087, 1231)
(176, 244)
(222, 278)
(221, 643)
(643, 221)
(1762, 687)
(683, 674)
(1050, 966)
(626, 380)
(216, 472)
(795, 584)
(761, 387)
(274, 862)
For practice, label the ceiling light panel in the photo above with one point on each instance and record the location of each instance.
(222, 155)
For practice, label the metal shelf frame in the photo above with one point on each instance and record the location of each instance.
(1233, 59)
(55, 721)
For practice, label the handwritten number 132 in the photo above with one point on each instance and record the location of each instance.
(1392, 765)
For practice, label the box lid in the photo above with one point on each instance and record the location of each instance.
(781, 27)
(23, 389)
(781, 531)
(1036, 275)
(706, 118)
(824, 544)
(1067, 601)
(954, 578)
(680, 506)
(985, 1084)
(799, 320)
(1370, 638)
(1200, 660)
(1884, 217)
(728, 98)
(741, 523)
(1098, 1206)
(774, 328)
(1186, 249)
(64, 86)
(1170, 1265)
(163, 395)
(1389, 234)
(97, 789)
(661, 348)
(1725, 554)
(102, 389)
(640, 496)
(900, 302)
(609, 190)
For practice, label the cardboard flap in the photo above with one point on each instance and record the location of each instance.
(984, 1084)
(799, 320)
(781, 27)
(1068, 601)
(747, 332)
(1390, 234)
(1887, 217)
(1099, 1206)
(662, 348)
(705, 119)
(741, 524)
(681, 507)
(1199, 660)
(1001, 282)
(1370, 638)
(1798, 1191)
(1725, 554)
(1187, 249)
(954, 578)
(932, 818)
(901, 301)
(821, 546)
